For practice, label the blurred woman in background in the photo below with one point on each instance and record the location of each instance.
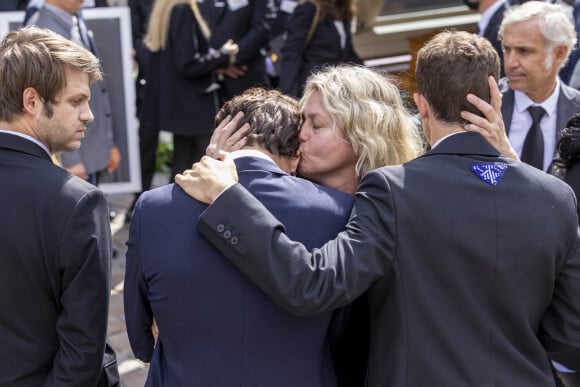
(181, 95)
(318, 33)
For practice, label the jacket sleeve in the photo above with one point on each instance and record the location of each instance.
(190, 49)
(84, 265)
(138, 313)
(560, 326)
(301, 281)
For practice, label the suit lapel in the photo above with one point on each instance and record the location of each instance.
(507, 109)
(568, 104)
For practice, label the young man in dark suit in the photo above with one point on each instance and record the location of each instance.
(215, 327)
(99, 154)
(471, 259)
(56, 240)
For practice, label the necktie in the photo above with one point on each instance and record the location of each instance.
(533, 150)
(80, 34)
(75, 32)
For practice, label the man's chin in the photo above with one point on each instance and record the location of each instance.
(71, 146)
(516, 82)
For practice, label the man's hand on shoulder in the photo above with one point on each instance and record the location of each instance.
(208, 178)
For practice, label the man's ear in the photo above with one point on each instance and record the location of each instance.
(422, 105)
(31, 100)
(559, 53)
(293, 164)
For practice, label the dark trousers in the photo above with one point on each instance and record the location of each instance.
(148, 141)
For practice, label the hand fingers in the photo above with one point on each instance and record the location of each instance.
(211, 150)
(216, 132)
(496, 95)
(474, 119)
(223, 133)
(228, 129)
(237, 140)
(482, 106)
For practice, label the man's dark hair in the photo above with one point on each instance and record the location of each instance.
(274, 119)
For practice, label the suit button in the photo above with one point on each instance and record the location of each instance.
(220, 228)
(227, 234)
(234, 241)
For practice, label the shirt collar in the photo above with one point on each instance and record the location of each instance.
(250, 153)
(446, 137)
(522, 102)
(26, 136)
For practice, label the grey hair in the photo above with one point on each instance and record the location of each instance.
(555, 21)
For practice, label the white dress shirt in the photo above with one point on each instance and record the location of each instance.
(522, 120)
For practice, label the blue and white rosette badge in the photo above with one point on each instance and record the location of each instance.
(491, 173)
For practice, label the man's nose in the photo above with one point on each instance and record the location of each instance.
(87, 115)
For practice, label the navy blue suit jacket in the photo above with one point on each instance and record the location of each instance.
(216, 327)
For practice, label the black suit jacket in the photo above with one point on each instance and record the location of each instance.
(471, 283)
(491, 31)
(249, 27)
(228, 332)
(324, 48)
(13, 5)
(54, 271)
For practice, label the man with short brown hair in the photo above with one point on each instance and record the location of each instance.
(56, 238)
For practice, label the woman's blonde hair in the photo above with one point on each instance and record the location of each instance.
(158, 27)
(367, 107)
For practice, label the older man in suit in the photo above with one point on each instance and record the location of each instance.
(99, 152)
(465, 288)
(56, 241)
(537, 38)
(215, 327)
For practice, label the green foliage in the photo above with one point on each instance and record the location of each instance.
(164, 158)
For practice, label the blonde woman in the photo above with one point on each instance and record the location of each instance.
(355, 121)
(181, 94)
